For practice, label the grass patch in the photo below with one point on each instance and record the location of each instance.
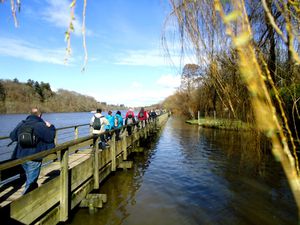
(221, 124)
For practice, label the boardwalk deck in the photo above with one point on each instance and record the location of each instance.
(65, 182)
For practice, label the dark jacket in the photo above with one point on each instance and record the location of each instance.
(44, 134)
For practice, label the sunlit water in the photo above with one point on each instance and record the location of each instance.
(196, 176)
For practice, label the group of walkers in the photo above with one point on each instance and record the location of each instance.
(101, 124)
(34, 135)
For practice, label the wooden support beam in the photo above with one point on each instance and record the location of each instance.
(96, 163)
(124, 147)
(93, 201)
(76, 132)
(64, 185)
(51, 218)
(80, 145)
(113, 152)
(138, 149)
(125, 165)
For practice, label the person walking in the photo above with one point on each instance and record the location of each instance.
(129, 120)
(99, 123)
(111, 121)
(33, 135)
(118, 124)
(143, 116)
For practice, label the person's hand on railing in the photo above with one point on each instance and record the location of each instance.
(48, 124)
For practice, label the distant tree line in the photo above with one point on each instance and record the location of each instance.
(18, 97)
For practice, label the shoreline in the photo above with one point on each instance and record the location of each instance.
(223, 124)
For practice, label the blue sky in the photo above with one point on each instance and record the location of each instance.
(127, 64)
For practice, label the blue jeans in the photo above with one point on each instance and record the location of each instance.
(32, 170)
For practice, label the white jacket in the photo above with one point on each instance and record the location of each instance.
(103, 122)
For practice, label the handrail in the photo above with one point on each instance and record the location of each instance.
(80, 125)
(60, 128)
(59, 147)
(43, 154)
(3, 137)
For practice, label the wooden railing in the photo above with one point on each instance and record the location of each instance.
(72, 135)
(54, 199)
(63, 146)
(60, 129)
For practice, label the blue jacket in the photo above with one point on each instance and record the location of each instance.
(111, 120)
(120, 120)
(44, 134)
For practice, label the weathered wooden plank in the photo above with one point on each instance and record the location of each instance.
(76, 132)
(124, 147)
(113, 153)
(80, 193)
(104, 156)
(119, 147)
(81, 172)
(94, 201)
(138, 149)
(50, 218)
(64, 186)
(96, 164)
(30, 206)
(81, 145)
(125, 165)
(50, 157)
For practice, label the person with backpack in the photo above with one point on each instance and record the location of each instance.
(33, 135)
(111, 121)
(98, 123)
(129, 120)
(118, 124)
(129, 112)
(152, 115)
(143, 116)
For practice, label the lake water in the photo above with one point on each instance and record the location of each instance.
(189, 175)
(197, 176)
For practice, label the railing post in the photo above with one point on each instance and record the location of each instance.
(76, 132)
(113, 152)
(145, 131)
(64, 185)
(55, 138)
(96, 163)
(58, 154)
(124, 146)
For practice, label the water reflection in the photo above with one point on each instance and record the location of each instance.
(197, 176)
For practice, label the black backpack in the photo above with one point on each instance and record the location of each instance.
(97, 123)
(27, 137)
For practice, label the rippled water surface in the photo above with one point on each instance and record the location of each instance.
(192, 175)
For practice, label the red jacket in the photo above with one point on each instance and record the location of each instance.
(129, 112)
(142, 115)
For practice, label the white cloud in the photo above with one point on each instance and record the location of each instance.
(136, 84)
(141, 58)
(57, 12)
(140, 94)
(133, 97)
(25, 50)
(151, 57)
(169, 81)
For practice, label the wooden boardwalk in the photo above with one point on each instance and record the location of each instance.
(71, 171)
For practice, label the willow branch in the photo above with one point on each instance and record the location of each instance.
(13, 11)
(272, 21)
(84, 37)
